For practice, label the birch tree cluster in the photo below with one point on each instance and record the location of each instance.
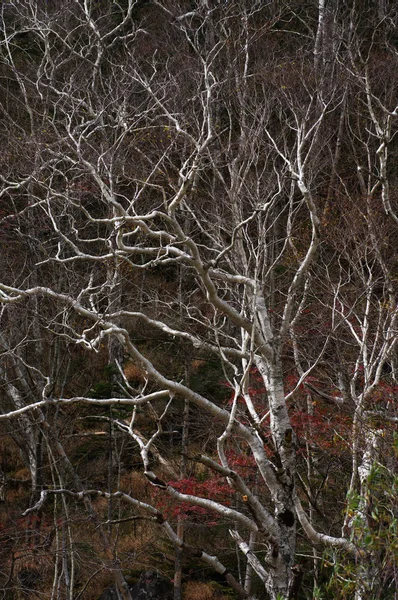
(198, 296)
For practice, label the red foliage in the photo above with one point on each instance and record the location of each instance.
(318, 425)
(325, 429)
(213, 488)
(384, 394)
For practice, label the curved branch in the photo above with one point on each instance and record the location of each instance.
(320, 538)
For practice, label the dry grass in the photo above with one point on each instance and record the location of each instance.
(133, 372)
(199, 590)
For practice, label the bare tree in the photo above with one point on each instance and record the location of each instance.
(163, 145)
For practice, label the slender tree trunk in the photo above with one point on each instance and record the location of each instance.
(368, 579)
(183, 470)
(70, 475)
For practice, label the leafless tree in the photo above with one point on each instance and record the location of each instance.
(178, 164)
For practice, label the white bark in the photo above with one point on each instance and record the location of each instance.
(222, 180)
